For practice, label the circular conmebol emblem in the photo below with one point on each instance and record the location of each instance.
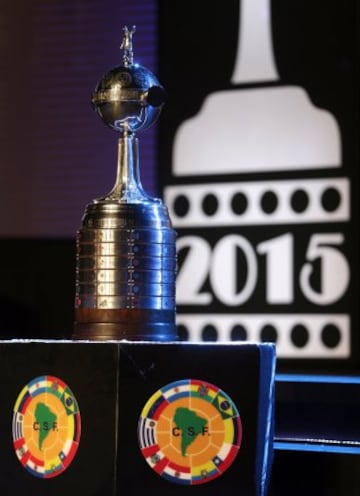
(190, 432)
(46, 426)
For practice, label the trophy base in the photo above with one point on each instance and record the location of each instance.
(129, 324)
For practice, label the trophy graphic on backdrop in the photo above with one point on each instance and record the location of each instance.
(253, 233)
(271, 128)
(126, 255)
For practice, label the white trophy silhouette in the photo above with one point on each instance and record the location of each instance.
(256, 129)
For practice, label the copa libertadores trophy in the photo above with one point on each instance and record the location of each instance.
(126, 255)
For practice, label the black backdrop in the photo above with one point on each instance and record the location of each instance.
(316, 47)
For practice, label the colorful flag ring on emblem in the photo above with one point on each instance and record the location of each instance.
(46, 427)
(190, 432)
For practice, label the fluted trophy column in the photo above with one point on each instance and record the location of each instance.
(126, 255)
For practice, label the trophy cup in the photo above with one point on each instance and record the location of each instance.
(126, 254)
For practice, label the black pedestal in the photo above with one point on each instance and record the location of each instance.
(128, 418)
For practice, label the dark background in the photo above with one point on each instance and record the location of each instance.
(56, 155)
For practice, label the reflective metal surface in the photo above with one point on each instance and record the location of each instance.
(126, 255)
(128, 97)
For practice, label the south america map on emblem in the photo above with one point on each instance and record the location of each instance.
(190, 432)
(46, 427)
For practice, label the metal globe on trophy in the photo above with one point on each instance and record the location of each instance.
(126, 254)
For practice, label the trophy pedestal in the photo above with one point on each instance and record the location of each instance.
(116, 395)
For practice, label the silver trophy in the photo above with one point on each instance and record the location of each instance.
(126, 255)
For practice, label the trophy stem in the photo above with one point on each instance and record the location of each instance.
(128, 187)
